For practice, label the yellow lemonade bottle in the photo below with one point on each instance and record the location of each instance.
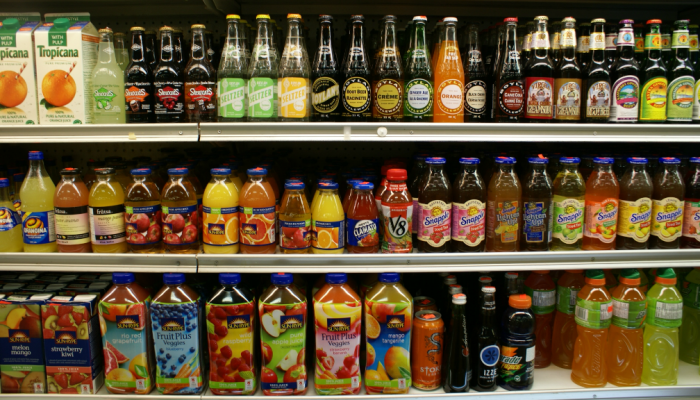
(106, 207)
(220, 213)
(328, 221)
(10, 221)
(37, 191)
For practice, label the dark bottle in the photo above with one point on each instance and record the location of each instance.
(179, 48)
(356, 92)
(488, 351)
(493, 72)
(691, 231)
(681, 79)
(624, 76)
(325, 75)
(508, 91)
(596, 80)
(583, 55)
(517, 369)
(232, 74)
(639, 53)
(666, 50)
(694, 51)
(537, 207)
(469, 208)
(611, 34)
(387, 77)
(418, 77)
(200, 81)
(435, 203)
(476, 86)
(168, 81)
(405, 52)
(212, 54)
(490, 46)
(457, 369)
(526, 51)
(556, 42)
(667, 205)
(149, 38)
(655, 84)
(138, 82)
(539, 76)
(567, 76)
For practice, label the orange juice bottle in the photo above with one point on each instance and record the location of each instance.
(564, 332)
(503, 208)
(449, 77)
(602, 201)
(257, 215)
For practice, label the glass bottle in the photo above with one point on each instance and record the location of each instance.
(503, 218)
(691, 212)
(418, 90)
(667, 205)
(537, 206)
(179, 210)
(178, 49)
(107, 84)
(200, 81)
(694, 50)
(169, 81)
(567, 76)
(363, 220)
(138, 82)
(636, 190)
(539, 76)
(624, 76)
(143, 213)
(356, 92)
(71, 213)
(602, 205)
(295, 220)
(556, 42)
(232, 74)
(596, 81)
(681, 80)
(526, 48)
(653, 76)
(666, 51)
(469, 208)
(509, 92)
(639, 54)
(475, 88)
(150, 48)
(449, 77)
(488, 349)
(583, 56)
(611, 45)
(120, 49)
(435, 202)
(212, 54)
(106, 208)
(325, 75)
(569, 190)
(258, 217)
(387, 77)
(294, 71)
(491, 99)
(457, 365)
(263, 73)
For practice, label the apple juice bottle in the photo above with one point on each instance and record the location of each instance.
(143, 214)
(282, 310)
(179, 208)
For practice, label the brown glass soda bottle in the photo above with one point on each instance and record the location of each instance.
(596, 81)
(138, 82)
(356, 92)
(539, 76)
(168, 81)
(537, 207)
(567, 76)
(200, 81)
(435, 203)
(509, 91)
(387, 77)
(583, 55)
(624, 76)
(469, 208)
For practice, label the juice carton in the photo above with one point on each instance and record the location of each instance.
(18, 101)
(66, 53)
(74, 361)
(21, 344)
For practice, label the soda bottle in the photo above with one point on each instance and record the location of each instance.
(516, 369)
(626, 337)
(509, 92)
(449, 77)
(689, 338)
(475, 86)
(120, 49)
(356, 92)
(569, 192)
(661, 341)
(539, 76)
(493, 70)
(325, 75)
(107, 84)
(10, 222)
(168, 81)
(458, 371)
(556, 43)
(294, 219)
(232, 74)
(71, 213)
(294, 72)
(525, 44)
(397, 210)
(418, 89)
(363, 220)
(468, 208)
(200, 81)
(596, 82)
(106, 213)
(435, 197)
(681, 76)
(537, 206)
(667, 206)
(639, 54)
(691, 212)
(180, 215)
(138, 82)
(212, 54)
(150, 48)
(565, 331)
(488, 349)
(257, 216)
(636, 191)
(583, 56)
(624, 76)
(263, 73)
(653, 76)
(666, 51)
(503, 208)
(220, 224)
(567, 76)
(387, 77)
(542, 290)
(143, 213)
(179, 47)
(602, 204)
(611, 35)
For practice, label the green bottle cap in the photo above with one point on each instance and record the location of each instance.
(10, 24)
(595, 274)
(665, 273)
(630, 273)
(62, 23)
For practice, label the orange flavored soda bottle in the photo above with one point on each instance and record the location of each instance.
(602, 202)
(449, 77)
(257, 216)
(564, 332)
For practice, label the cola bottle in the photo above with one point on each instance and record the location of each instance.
(168, 81)
(138, 82)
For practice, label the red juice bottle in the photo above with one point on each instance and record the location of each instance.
(362, 220)
(541, 288)
(397, 210)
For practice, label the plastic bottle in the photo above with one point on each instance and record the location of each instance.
(10, 222)
(602, 204)
(144, 218)
(295, 219)
(690, 329)
(457, 369)
(257, 216)
(397, 210)
(517, 366)
(565, 330)
(569, 191)
(362, 220)
(328, 221)
(71, 213)
(542, 290)
(179, 205)
(106, 207)
(220, 214)
(37, 192)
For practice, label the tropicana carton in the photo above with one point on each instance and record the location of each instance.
(66, 53)
(18, 103)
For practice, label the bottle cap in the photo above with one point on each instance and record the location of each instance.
(630, 276)
(449, 19)
(541, 18)
(229, 278)
(654, 21)
(262, 16)
(336, 278)
(68, 171)
(505, 160)
(388, 277)
(198, 26)
(294, 185)
(669, 160)
(141, 171)
(221, 171)
(293, 16)
(511, 19)
(137, 28)
(595, 277)
(36, 155)
(598, 21)
(61, 23)
(282, 278)
(469, 160)
(11, 24)
(420, 18)
(173, 279)
(511, 275)
(570, 160)
(454, 289)
(627, 21)
(450, 279)
(363, 186)
(257, 171)
(390, 18)
(459, 298)
(327, 185)
(485, 279)
(637, 160)
(520, 301)
(233, 16)
(105, 30)
(104, 171)
(666, 276)
(603, 160)
(488, 289)
(695, 160)
(396, 174)
(357, 18)
(538, 160)
(325, 17)
(122, 277)
(4, 182)
(428, 315)
(435, 160)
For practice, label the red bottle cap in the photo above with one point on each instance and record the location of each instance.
(396, 174)
(654, 21)
(511, 19)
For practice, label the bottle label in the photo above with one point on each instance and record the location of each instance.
(388, 98)
(200, 97)
(598, 101)
(665, 41)
(635, 219)
(696, 102)
(450, 96)
(667, 218)
(9, 218)
(170, 100)
(539, 98)
(293, 97)
(568, 99)
(469, 222)
(535, 215)
(262, 98)
(143, 225)
(594, 314)
(527, 42)
(328, 235)
(568, 38)
(232, 97)
(419, 97)
(283, 334)
(665, 313)
(504, 217)
(220, 226)
(104, 96)
(435, 223)
(135, 94)
(107, 225)
(510, 97)
(597, 41)
(693, 42)
(544, 301)
(568, 219)
(610, 42)
(653, 100)
(691, 294)
(257, 226)
(583, 43)
(489, 357)
(357, 95)
(629, 314)
(295, 235)
(540, 40)
(566, 299)
(556, 41)
(180, 225)
(38, 227)
(625, 37)
(601, 220)
(652, 41)
(517, 364)
(325, 95)
(72, 225)
(388, 337)
(625, 106)
(639, 44)
(691, 220)
(363, 232)
(475, 97)
(397, 227)
(680, 99)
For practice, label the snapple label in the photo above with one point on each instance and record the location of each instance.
(601, 220)
(691, 219)
(283, 337)
(667, 218)
(337, 348)
(635, 219)
(469, 222)
(435, 223)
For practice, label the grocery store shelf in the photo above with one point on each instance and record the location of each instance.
(101, 394)
(93, 262)
(133, 133)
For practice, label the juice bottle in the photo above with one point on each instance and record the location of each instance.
(328, 221)
(517, 369)
(349, 194)
(691, 221)
(569, 202)
(107, 84)
(143, 213)
(449, 77)
(179, 207)
(503, 208)
(415, 177)
(106, 207)
(295, 219)
(667, 205)
(388, 322)
(435, 202)
(626, 337)
(690, 329)
(602, 201)
(564, 332)
(397, 212)
(18, 179)
(457, 368)
(177, 320)
(338, 321)
(220, 214)
(323, 182)
(10, 222)
(282, 309)
(468, 208)
(231, 313)
(71, 213)
(664, 316)
(37, 192)
(634, 221)
(363, 220)
(542, 290)
(257, 216)
(537, 206)
(124, 312)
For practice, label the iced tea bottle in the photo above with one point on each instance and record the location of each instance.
(541, 288)
(667, 205)
(468, 208)
(449, 77)
(634, 222)
(143, 213)
(564, 332)
(691, 222)
(70, 203)
(435, 202)
(503, 208)
(179, 209)
(257, 217)
(362, 220)
(295, 219)
(569, 202)
(106, 208)
(602, 202)
(397, 212)
(537, 207)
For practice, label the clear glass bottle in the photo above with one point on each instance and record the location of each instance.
(295, 219)
(71, 213)
(435, 202)
(106, 207)
(262, 74)
(293, 86)
(537, 206)
(569, 190)
(667, 205)
(232, 75)
(107, 84)
(469, 208)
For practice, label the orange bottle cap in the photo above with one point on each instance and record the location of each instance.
(595, 282)
(431, 316)
(519, 301)
(630, 281)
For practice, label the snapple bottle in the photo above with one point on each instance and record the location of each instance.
(636, 191)
(602, 202)
(70, 203)
(503, 208)
(179, 210)
(691, 222)
(143, 214)
(435, 202)
(468, 208)
(667, 205)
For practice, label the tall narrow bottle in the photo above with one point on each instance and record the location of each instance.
(567, 76)
(232, 75)
(681, 79)
(539, 76)
(475, 86)
(200, 81)
(491, 98)
(654, 87)
(138, 82)
(169, 81)
(639, 54)
(611, 45)
(107, 84)
(387, 77)
(325, 76)
(537, 206)
(418, 77)
(294, 72)
(488, 350)
(37, 194)
(569, 202)
(556, 42)
(449, 77)
(263, 74)
(356, 92)
(509, 93)
(596, 80)
(457, 369)
(624, 76)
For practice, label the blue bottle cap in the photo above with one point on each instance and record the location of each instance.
(229, 279)
(637, 160)
(570, 160)
(282, 278)
(178, 171)
(336, 278)
(505, 160)
(435, 160)
(257, 171)
(221, 171)
(327, 185)
(294, 185)
(353, 182)
(141, 171)
(173, 279)
(538, 160)
(18, 177)
(122, 277)
(389, 277)
(4, 182)
(469, 160)
(669, 160)
(603, 160)
(36, 155)
(363, 185)
(695, 160)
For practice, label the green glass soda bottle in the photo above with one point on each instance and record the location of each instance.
(680, 75)
(232, 74)
(108, 84)
(654, 88)
(418, 78)
(262, 86)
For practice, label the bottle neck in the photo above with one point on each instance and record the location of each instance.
(597, 44)
(568, 43)
(538, 168)
(256, 178)
(569, 168)
(604, 168)
(682, 50)
(36, 169)
(138, 47)
(106, 49)
(510, 48)
(166, 46)
(199, 48)
(105, 178)
(235, 40)
(506, 168)
(625, 42)
(357, 41)
(540, 40)
(325, 45)
(69, 179)
(419, 48)
(469, 169)
(652, 42)
(389, 40)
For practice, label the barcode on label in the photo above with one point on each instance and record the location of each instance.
(141, 384)
(543, 299)
(581, 313)
(669, 310)
(38, 387)
(193, 382)
(248, 384)
(355, 382)
(572, 297)
(301, 384)
(606, 311)
(85, 389)
(621, 309)
(402, 383)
